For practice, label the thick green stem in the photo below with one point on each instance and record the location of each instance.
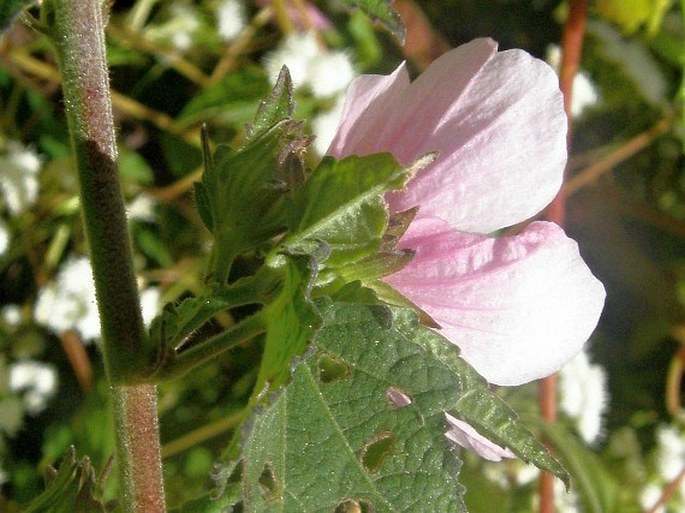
(77, 27)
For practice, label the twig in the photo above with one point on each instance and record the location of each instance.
(668, 492)
(628, 149)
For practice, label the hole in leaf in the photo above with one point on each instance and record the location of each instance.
(331, 369)
(353, 506)
(377, 449)
(397, 397)
(268, 486)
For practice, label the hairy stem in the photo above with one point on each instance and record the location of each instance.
(78, 32)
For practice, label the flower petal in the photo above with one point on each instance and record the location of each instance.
(496, 120)
(465, 435)
(367, 103)
(518, 307)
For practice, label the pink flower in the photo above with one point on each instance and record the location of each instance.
(518, 307)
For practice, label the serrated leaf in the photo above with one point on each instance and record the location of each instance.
(360, 426)
(10, 9)
(241, 190)
(276, 108)
(381, 11)
(341, 205)
(71, 489)
(477, 404)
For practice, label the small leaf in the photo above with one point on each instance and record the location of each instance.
(71, 489)
(291, 319)
(10, 9)
(241, 195)
(276, 108)
(381, 11)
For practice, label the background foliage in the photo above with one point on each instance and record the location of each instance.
(626, 208)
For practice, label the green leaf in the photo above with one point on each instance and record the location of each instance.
(209, 503)
(71, 489)
(341, 207)
(381, 11)
(291, 319)
(276, 108)
(241, 191)
(177, 323)
(10, 9)
(477, 404)
(337, 438)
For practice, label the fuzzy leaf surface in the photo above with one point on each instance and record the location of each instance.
(336, 438)
(477, 404)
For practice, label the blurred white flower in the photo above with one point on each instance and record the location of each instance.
(325, 127)
(69, 303)
(584, 93)
(142, 208)
(11, 315)
(4, 237)
(565, 501)
(670, 452)
(650, 495)
(326, 73)
(19, 177)
(330, 73)
(37, 380)
(584, 395)
(179, 28)
(149, 303)
(230, 18)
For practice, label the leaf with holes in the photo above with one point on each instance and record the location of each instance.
(359, 428)
(477, 404)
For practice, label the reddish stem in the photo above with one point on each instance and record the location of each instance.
(572, 48)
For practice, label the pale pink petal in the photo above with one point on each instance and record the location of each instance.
(465, 435)
(368, 101)
(518, 307)
(497, 121)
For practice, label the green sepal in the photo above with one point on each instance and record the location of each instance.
(291, 319)
(341, 206)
